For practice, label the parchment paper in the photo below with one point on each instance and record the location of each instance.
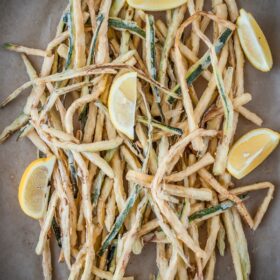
(32, 23)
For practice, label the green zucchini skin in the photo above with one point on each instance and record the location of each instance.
(223, 206)
(96, 187)
(73, 174)
(71, 38)
(120, 220)
(83, 116)
(120, 24)
(41, 154)
(7, 46)
(161, 126)
(110, 262)
(55, 227)
(56, 231)
(23, 130)
(99, 21)
(151, 61)
(195, 71)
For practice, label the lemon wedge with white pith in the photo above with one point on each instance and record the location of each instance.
(155, 5)
(253, 42)
(251, 150)
(33, 188)
(122, 103)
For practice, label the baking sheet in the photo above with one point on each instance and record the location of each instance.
(32, 23)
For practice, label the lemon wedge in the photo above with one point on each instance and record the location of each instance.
(122, 103)
(253, 42)
(155, 5)
(33, 188)
(251, 150)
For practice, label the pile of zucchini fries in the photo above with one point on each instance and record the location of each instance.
(111, 195)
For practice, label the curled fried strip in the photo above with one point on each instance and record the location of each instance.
(163, 206)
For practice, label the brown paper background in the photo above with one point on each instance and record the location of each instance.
(33, 23)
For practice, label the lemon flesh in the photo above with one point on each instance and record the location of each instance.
(251, 150)
(155, 5)
(253, 42)
(33, 189)
(122, 103)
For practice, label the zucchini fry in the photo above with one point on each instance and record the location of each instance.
(26, 50)
(195, 71)
(47, 224)
(163, 127)
(151, 58)
(78, 33)
(177, 18)
(17, 124)
(102, 54)
(221, 190)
